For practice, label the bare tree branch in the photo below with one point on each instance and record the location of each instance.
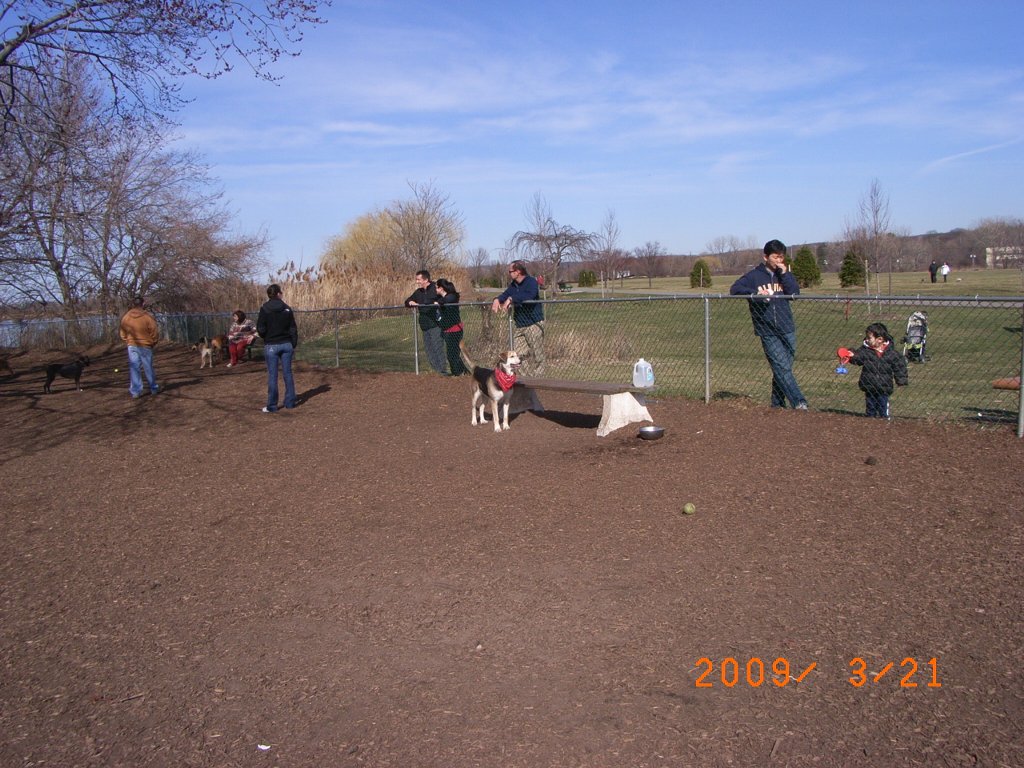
(139, 47)
(549, 242)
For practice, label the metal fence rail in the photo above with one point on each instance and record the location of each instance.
(701, 347)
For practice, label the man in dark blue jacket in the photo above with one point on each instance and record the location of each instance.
(276, 326)
(523, 295)
(773, 320)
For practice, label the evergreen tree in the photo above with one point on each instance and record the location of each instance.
(805, 268)
(700, 275)
(851, 273)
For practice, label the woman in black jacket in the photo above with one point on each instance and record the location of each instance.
(276, 326)
(451, 324)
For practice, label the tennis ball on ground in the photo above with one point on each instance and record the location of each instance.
(115, 370)
(689, 508)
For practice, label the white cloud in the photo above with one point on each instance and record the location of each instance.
(949, 159)
(495, 104)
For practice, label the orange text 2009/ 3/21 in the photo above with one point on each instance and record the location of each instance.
(779, 672)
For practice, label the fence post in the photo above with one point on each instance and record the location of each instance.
(415, 340)
(1020, 390)
(707, 350)
(337, 339)
(511, 330)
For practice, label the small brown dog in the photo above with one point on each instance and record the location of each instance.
(211, 349)
(220, 346)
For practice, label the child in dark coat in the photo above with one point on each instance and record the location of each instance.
(881, 367)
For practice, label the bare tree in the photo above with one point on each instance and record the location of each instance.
(723, 244)
(607, 254)
(478, 258)
(651, 255)
(732, 253)
(369, 242)
(899, 252)
(80, 81)
(430, 229)
(139, 47)
(47, 155)
(549, 242)
(424, 232)
(874, 224)
(103, 208)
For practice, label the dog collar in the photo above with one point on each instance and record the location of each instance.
(505, 380)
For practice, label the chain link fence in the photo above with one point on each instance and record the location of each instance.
(701, 347)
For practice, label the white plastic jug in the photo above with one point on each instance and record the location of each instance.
(643, 374)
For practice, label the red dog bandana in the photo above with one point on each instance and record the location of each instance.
(505, 380)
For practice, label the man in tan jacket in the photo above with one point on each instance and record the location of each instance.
(140, 332)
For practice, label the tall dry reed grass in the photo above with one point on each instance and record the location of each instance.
(570, 344)
(331, 287)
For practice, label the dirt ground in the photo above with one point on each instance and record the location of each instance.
(369, 580)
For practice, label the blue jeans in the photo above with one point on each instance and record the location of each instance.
(434, 345)
(876, 405)
(279, 355)
(140, 360)
(780, 351)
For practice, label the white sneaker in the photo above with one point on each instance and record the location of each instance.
(230, 364)
(267, 410)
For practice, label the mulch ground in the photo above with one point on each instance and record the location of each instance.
(369, 580)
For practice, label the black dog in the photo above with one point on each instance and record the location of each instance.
(67, 370)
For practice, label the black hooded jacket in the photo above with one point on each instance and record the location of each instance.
(276, 323)
(879, 372)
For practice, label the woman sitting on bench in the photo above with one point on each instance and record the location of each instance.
(241, 335)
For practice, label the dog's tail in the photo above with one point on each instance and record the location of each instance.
(465, 356)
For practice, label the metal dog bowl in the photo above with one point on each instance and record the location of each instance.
(651, 432)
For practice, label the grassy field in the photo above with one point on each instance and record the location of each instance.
(980, 282)
(969, 345)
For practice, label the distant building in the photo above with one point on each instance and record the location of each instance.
(1004, 257)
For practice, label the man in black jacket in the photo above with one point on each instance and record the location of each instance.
(276, 326)
(424, 298)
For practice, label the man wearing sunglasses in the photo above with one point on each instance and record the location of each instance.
(523, 295)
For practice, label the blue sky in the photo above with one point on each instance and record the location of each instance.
(690, 120)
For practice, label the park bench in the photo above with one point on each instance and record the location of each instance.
(564, 287)
(253, 349)
(622, 404)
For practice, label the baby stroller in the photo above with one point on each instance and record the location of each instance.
(917, 337)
